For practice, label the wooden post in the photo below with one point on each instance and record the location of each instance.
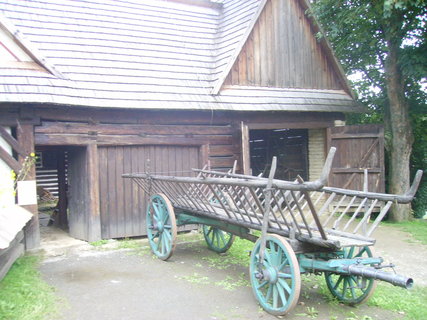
(25, 135)
(94, 215)
(246, 163)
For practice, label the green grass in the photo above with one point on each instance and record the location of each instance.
(238, 254)
(409, 302)
(417, 228)
(98, 243)
(24, 295)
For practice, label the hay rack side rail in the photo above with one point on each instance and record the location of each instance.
(305, 228)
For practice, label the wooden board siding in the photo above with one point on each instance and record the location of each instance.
(78, 199)
(122, 203)
(359, 147)
(282, 51)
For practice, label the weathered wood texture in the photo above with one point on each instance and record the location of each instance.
(9, 255)
(359, 147)
(221, 131)
(122, 205)
(122, 140)
(78, 199)
(282, 51)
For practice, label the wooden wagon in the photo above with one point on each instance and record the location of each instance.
(305, 227)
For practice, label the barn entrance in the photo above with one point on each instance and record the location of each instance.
(290, 146)
(51, 177)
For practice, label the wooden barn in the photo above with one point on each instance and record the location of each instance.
(97, 87)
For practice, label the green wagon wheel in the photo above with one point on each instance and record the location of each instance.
(161, 226)
(277, 284)
(351, 289)
(217, 240)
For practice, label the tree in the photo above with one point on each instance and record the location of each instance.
(385, 42)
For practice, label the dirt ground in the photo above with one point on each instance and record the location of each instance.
(110, 283)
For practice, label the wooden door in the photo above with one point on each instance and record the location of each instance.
(122, 202)
(359, 147)
(78, 188)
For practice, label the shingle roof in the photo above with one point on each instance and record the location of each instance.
(142, 54)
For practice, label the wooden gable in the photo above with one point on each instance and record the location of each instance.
(282, 51)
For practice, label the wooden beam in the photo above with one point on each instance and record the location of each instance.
(9, 160)
(129, 129)
(111, 140)
(11, 141)
(94, 213)
(25, 133)
(246, 159)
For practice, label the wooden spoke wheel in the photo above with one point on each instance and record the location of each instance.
(351, 289)
(276, 282)
(161, 226)
(218, 240)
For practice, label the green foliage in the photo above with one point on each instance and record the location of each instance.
(363, 34)
(24, 295)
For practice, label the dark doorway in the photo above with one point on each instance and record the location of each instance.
(51, 176)
(290, 146)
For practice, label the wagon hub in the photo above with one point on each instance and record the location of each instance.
(158, 225)
(270, 274)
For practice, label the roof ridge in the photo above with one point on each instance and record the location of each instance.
(27, 46)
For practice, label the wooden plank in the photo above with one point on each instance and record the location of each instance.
(242, 72)
(271, 59)
(221, 150)
(112, 190)
(355, 170)
(221, 162)
(103, 189)
(127, 191)
(263, 48)
(122, 222)
(94, 218)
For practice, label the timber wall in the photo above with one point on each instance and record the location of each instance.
(103, 144)
(282, 51)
